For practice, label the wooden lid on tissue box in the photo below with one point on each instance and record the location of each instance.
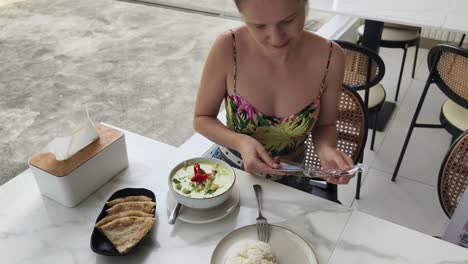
(48, 163)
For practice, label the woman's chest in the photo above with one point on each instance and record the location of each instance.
(278, 93)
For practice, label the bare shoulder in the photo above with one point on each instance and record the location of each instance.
(322, 48)
(222, 47)
(236, 36)
(220, 56)
(317, 43)
(320, 45)
(225, 40)
(338, 55)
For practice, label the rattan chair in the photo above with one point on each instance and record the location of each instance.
(398, 36)
(453, 175)
(449, 71)
(352, 134)
(364, 69)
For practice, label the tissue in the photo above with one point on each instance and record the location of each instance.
(65, 147)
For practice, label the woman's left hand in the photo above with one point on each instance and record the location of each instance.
(332, 158)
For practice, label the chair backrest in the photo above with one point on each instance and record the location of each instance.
(453, 175)
(363, 67)
(351, 125)
(449, 70)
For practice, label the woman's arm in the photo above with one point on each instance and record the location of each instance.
(325, 133)
(213, 88)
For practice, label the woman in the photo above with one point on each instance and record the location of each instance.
(278, 82)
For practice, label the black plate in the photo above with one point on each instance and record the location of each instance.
(99, 242)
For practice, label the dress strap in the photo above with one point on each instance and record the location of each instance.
(322, 87)
(234, 54)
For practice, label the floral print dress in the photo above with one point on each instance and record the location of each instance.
(279, 136)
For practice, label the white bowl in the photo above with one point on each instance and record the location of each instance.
(205, 202)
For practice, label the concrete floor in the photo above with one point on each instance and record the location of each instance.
(134, 66)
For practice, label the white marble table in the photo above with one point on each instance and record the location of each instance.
(456, 20)
(420, 13)
(367, 239)
(35, 229)
(447, 15)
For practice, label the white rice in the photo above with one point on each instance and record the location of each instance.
(253, 252)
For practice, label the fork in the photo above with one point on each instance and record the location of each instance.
(262, 223)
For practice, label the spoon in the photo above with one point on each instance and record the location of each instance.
(174, 214)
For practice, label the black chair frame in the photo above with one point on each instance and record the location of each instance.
(363, 146)
(402, 45)
(372, 57)
(359, 157)
(432, 61)
(462, 40)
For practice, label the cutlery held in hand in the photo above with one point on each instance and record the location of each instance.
(290, 169)
(262, 223)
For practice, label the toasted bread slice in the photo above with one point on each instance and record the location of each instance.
(125, 232)
(139, 198)
(146, 207)
(112, 217)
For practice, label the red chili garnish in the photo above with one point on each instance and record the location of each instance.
(200, 175)
(197, 169)
(200, 178)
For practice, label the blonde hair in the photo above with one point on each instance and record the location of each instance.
(239, 2)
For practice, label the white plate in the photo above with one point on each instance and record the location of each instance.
(201, 216)
(288, 246)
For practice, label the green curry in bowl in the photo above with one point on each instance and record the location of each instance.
(201, 180)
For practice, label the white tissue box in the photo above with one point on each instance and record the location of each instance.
(72, 180)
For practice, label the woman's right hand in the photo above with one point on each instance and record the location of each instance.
(256, 159)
